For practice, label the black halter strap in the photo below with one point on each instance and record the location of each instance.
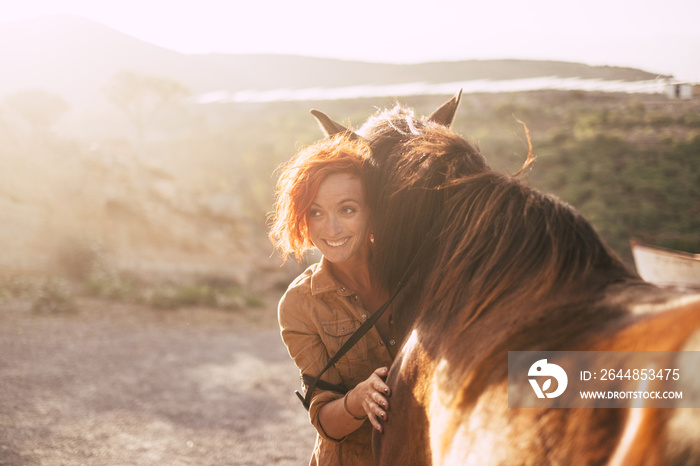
(421, 256)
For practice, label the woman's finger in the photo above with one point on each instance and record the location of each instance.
(380, 400)
(381, 387)
(375, 423)
(382, 373)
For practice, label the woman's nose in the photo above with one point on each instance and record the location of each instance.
(334, 227)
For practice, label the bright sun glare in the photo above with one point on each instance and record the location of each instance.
(621, 33)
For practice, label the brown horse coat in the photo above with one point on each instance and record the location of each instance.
(512, 270)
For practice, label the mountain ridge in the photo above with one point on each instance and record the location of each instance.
(75, 57)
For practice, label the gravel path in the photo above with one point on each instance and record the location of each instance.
(124, 385)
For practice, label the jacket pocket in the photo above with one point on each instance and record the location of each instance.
(336, 333)
(340, 328)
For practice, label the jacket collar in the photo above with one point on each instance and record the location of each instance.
(323, 281)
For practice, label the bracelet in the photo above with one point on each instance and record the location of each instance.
(345, 406)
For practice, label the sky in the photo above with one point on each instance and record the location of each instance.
(662, 37)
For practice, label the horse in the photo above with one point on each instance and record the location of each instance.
(509, 269)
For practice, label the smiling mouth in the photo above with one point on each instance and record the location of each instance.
(337, 244)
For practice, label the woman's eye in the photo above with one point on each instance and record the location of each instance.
(348, 210)
(314, 213)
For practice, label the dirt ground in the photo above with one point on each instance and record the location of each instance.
(127, 385)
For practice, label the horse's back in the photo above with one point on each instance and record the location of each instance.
(432, 425)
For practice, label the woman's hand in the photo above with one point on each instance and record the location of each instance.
(372, 396)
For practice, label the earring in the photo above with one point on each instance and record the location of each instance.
(371, 238)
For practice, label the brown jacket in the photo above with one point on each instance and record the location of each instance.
(316, 316)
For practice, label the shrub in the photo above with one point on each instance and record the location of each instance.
(53, 297)
(16, 287)
(78, 258)
(172, 296)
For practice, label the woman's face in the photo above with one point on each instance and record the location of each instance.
(338, 218)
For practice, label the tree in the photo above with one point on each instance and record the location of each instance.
(141, 96)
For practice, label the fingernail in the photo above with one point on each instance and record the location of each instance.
(386, 390)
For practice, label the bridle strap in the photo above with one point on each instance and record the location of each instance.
(420, 256)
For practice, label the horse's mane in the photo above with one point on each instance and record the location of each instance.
(411, 160)
(500, 240)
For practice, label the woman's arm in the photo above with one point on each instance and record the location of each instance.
(327, 412)
(369, 399)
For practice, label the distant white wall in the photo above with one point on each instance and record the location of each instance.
(679, 90)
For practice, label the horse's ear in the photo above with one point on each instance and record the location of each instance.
(445, 114)
(328, 126)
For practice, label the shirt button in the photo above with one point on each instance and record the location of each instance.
(392, 342)
(364, 316)
(342, 288)
(342, 329)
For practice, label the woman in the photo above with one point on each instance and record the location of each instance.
(321, 202)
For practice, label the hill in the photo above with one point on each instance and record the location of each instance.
(121, 208)
(75, 57)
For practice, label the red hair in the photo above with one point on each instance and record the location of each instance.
(299, 182)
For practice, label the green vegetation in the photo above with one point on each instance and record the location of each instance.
(629, 163)
(140, 97)
(217, 294)
(60, 295)
(54, 297)
(48, 295)
(178, 218)
(624, 189)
